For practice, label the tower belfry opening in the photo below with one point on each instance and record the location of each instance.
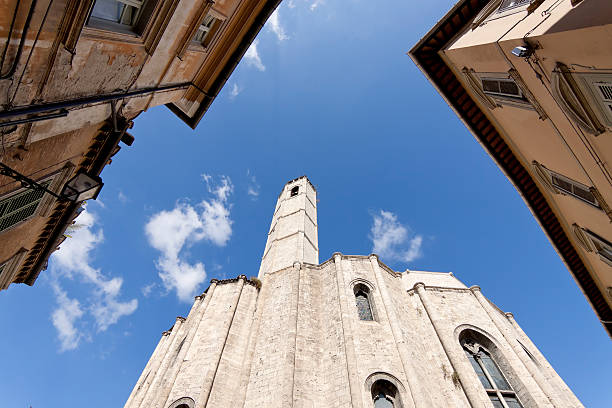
(348, 332)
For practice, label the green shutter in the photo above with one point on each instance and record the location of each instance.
(20, 206)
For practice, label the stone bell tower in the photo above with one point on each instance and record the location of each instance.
(347, 333)
(293, 234)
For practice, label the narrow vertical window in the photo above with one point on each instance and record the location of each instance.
(294, 191)
(362, 301)
(206, 31)
(495, 384)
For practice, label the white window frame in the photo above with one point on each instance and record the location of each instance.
(494, 11)
(601, 104)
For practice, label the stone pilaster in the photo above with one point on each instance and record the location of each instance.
(459, 363)
(544, 394)
(207, 384)
(151, 399)
(352, 371)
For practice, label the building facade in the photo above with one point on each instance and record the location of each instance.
(348, 332)
(74, 74)
(532, 80)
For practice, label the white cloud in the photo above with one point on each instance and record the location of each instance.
(171, 231)
(315, 4)
(251, 56)
(235, 91)
(275, 26)
(122, 197)
(74, 260)
(64, 318)
(147, 289)
(392, 240)
(253, 187)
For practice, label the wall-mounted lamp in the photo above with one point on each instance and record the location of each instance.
(523, 51)
(81, 187)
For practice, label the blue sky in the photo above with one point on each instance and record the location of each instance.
(328, 91)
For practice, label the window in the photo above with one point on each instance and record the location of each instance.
(206, 31)
(502, 87)
(598, 90)
(20, 206)
(385, 395)
(510, 4)
(602, 247)
(573, 188)
(294, 191)
(495, 384)
(124, 12)
(362, 301)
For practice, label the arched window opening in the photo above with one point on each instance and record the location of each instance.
(498, 389)
(295, 190)
(184, 402)
(362, 301)
(385, 395)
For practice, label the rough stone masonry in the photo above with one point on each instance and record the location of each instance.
(349, 332)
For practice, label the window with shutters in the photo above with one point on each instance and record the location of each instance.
(600, 90)
(498, 389)
(601, 246)
(573, 188)
(363, 303)
(20, 206)
(502, 87)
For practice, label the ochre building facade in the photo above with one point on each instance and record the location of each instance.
(348, 332)
(74, 74)
(532, 80)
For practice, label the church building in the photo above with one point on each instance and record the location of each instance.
(349, 332)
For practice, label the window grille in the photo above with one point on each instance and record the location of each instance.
(20, 206)
(495, 384)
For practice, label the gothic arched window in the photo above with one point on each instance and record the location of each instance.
(385, 395)
(495, 384)
(362, 300)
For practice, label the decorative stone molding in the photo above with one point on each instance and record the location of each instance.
(475, 86)
(203, 10)
(543, 175)
(73, 22)
(10, 268)
(582, 238)
(362, 281)
(485, 12)
(572, 101)
(514, 74)
(183, 401)
(152, 34)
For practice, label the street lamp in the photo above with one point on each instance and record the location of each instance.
(81, 187)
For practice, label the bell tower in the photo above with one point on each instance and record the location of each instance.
(293, 234)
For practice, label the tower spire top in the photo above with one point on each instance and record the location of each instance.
(293, 234)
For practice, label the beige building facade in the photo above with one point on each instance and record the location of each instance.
(74, 74)
(348, 332)
(532, 80)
